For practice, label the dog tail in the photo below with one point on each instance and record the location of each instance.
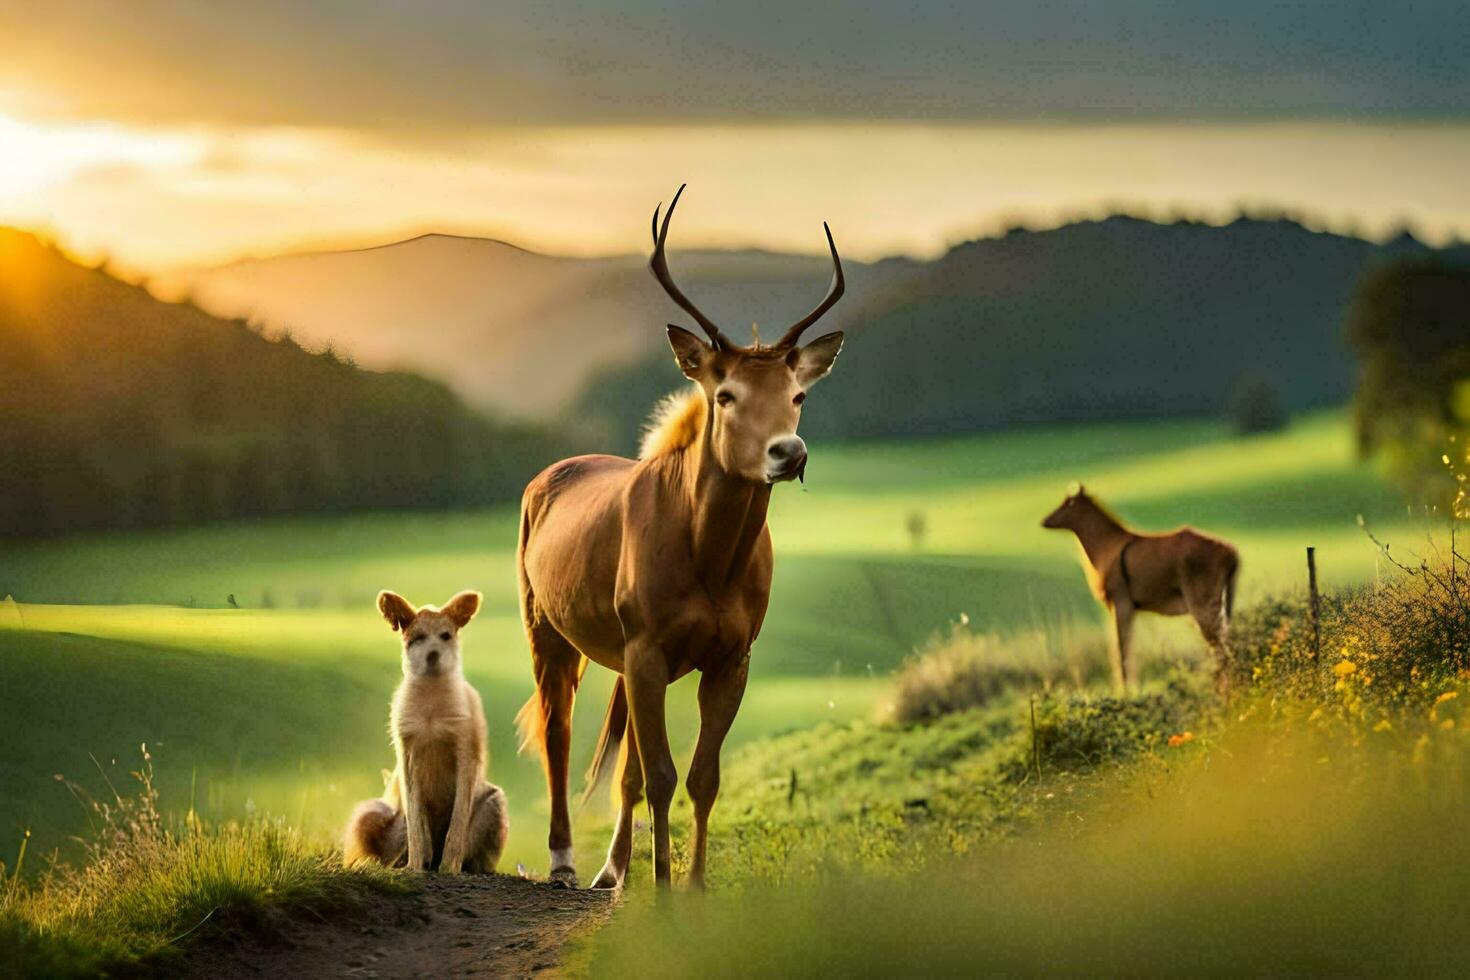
(614, 725)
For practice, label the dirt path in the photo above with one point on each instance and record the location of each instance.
(462, 926)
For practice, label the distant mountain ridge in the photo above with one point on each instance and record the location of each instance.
(1108, 318)
(1115, 318)
(527, 329)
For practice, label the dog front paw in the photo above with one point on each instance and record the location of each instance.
(451, 865)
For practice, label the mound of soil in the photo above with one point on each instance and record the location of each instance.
(459, 926)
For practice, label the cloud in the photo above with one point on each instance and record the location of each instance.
(400, 66)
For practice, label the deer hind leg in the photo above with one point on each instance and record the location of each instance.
(1204, 594)
(720, 694)
(376, 832)
(630, 794)
(489, 825)
(548, 717)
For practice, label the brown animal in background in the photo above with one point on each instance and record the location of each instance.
(437, 808)
(1171, 574)
(662, 565)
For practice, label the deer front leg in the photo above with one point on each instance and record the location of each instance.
(630, 794)
(720, 694)
(416, 817)
(466, 780)
(1122, 642)
(647, 676)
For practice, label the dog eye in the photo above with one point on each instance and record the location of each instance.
(800, 397)
(724, 398)
(444, 637)
(418, 638)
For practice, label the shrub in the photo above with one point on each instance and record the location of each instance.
(962, 669)
(1400, 644)
(1073, 734)
(1255, 406)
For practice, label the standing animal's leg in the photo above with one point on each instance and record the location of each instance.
(720, 694)
(489, 824)
(1122, 644)
(1205, 595)
(375, 833)
(630, 794)
(547, 721)
(646, 674)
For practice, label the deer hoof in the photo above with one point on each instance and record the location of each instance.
(607, 879)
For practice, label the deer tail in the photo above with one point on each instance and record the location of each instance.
(614, 725)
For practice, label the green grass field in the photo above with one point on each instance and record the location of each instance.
(280, 706)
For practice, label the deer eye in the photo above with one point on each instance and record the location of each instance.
(725, 399)
(800, 397)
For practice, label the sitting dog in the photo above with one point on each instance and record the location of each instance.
(437, 809)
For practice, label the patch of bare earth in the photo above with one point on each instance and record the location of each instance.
(459, 926)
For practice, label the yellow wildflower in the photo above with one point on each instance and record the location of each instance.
(1344, 667)
(1383, 726)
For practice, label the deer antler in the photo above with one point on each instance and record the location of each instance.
(658, 264)
(834, 293)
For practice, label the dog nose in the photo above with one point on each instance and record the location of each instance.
(433, 658)
(786, 450)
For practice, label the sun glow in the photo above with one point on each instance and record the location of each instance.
(36, 156)
(158, 198)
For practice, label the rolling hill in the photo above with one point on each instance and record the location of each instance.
(526, 330)
(119, 409)
(1119, 318)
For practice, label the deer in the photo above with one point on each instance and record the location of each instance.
(1182, 572)
(658, 566)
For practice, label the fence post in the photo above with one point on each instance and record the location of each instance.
(1035, 744)
(1316, 599)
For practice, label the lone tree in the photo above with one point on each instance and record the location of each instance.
(1255, 406)
(1410, 327)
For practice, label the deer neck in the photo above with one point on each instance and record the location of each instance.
(1100, 536)
(728, 514)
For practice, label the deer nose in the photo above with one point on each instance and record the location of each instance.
(785, 458)
(786, 449)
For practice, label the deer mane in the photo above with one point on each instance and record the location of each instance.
(676, 423)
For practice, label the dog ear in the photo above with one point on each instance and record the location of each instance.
(395, 609)
(462, 608)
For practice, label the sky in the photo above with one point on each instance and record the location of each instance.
(171, 132)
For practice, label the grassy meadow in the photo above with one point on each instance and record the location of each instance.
(279, 706)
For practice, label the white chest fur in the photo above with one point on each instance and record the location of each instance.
(432, 711)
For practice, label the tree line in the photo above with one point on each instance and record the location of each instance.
(121, 410)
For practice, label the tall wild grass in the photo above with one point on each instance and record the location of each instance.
(149, 884)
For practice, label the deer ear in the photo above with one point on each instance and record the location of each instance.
(813, 361)
(690, 353)
(462, 608)
(395, 609)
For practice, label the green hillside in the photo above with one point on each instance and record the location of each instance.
(122, 410)
(280, 705)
